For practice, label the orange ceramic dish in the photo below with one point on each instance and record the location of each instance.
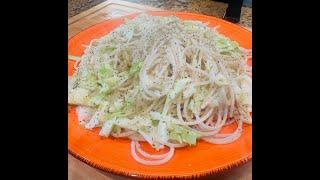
(114, 155)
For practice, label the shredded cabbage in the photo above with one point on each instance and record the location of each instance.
(183, 134)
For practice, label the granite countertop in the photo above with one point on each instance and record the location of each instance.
(206, 7)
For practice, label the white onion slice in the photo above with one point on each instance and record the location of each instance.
(150, 156)
(225, 138)
(150, 162)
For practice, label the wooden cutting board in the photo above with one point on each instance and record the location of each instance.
(77, 170)
(104, 11)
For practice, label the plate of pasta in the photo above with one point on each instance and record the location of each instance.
(161, 95)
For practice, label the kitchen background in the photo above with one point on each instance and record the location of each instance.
(207, 7)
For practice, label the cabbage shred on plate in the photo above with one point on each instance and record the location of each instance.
(163, 80)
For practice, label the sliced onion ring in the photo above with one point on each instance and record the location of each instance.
(150, 162)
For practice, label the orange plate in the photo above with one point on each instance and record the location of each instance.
(113, 155)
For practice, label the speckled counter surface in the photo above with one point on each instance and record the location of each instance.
(207, 7)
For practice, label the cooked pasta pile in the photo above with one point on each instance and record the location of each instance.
(162, 80)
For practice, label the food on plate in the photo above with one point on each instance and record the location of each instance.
(163, 80)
